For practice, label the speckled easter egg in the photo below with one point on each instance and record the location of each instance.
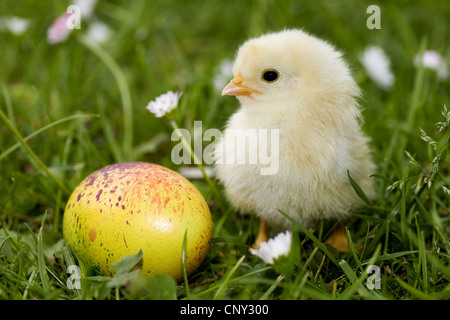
(125, 207)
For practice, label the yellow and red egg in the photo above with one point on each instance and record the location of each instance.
(126, 207)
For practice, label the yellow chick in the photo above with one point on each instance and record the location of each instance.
(297, 95)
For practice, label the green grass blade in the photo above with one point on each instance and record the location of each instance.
(309, 234)
(108, 132)
(357, 283)
(348, 271)
(183, 263)
(5, 153)
(8, 103)
(31, 154)
(358, 189)
(353, 250)
(423, 262)
(269, 291)
(42, 263)
(29, 284)
(221, 288)
(127, 107)
(415, 292)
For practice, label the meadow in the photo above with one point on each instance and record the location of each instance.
(73, 107)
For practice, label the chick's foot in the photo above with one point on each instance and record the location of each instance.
(338, 238)
(263, 232)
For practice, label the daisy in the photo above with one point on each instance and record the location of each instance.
(164, 104)
(87, 7)
(279, 246)
(432, 60)
(98, 32)
(378, 67)
(15, 25)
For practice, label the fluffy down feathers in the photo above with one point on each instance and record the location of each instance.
(312, 104)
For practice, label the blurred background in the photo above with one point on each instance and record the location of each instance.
(82, 99)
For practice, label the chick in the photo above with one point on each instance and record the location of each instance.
(299, 86)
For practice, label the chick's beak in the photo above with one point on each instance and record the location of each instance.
(236, 88)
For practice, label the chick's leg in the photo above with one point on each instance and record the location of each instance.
(262, 233)
(338, 238)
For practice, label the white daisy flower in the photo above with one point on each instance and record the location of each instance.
(434, 61)
(15, 25)
(279, 246)
(87, 7)
(98, 32)
(378, 66)
(164, 103)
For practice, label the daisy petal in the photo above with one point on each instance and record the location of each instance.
(164, 103)
(276, 247)
(378, 67)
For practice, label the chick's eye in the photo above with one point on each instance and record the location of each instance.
(270, 75)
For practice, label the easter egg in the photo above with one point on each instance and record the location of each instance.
(131, 206)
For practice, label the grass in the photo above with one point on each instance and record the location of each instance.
(69, 109)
